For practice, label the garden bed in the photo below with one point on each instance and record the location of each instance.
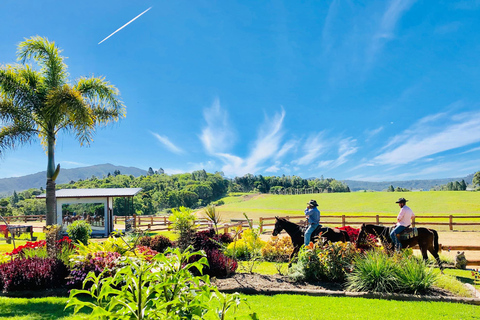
(277, 284)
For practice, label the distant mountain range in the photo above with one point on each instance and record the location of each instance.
(37, 180)
(408, 184)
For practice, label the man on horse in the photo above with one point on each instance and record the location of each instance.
(404, 219)
(313, 218)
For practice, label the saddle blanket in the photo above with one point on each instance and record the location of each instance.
(408, 233)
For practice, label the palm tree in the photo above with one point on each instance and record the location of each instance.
(38, 103)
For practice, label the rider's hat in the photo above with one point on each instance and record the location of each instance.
(313, 203)
(401, 200)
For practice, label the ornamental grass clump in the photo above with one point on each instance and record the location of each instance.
(374, 271)
(414, 276)
(378, 271)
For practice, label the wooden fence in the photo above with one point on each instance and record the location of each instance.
(344, 220)
(25, 219)
(162, 223)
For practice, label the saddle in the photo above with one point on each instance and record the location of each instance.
(407, 234)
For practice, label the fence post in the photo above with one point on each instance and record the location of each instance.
(413, 222)
(225, 228)
(41, 217)
(164, 219)
(451, 223)
(261, 224)
(377, 217)
(134, 221)
(343, 220)
(151, 220)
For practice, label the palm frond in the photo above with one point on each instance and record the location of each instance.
(48, 57)
(68, 108)
(14, 86)
(16, 134)
(103, 98)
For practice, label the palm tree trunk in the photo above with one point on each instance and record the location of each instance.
(51, 200)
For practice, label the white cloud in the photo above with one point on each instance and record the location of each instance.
(432, 135)
(217, 136)
(374, 132)
(471, 150)
(312, 148)
(167, 143)
(287, 147)
(385, 30)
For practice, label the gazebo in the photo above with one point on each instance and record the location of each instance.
(92, 205)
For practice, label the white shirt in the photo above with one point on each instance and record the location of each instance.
(405, 216)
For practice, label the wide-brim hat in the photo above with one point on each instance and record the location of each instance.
(313, 203)
(400, 200)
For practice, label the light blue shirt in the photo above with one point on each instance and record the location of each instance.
(313, 215)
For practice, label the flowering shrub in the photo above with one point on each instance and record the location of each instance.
(332, 262)
(31, 274)
(145, 252)
(39, 244)
(95, 262)
(278, 249)
(246, 247)
(144, 241)
(79, 231)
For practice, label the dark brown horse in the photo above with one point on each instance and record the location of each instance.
(427, 240)
(296, 233)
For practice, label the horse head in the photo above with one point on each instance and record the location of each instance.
(278, 227)
(361, 235)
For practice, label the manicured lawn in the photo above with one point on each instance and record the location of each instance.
(36, 308)
(290, 307)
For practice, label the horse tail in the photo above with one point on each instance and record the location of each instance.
(435, 240)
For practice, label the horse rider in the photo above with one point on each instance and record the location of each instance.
(404, 219)
(313, 218)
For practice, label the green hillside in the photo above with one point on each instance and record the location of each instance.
(355, 203)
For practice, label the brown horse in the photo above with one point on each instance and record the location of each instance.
(427, 240)
(296, 233)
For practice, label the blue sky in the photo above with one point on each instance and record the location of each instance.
(364, 90)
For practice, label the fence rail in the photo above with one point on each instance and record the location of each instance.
(344, 220)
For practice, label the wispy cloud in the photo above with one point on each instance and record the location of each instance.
(386, 27)
(217, 136)
(313, 148)
(126, 24)
(374, 132)
(265, 148)
(168, 144)
(67, 164)
(432, 135)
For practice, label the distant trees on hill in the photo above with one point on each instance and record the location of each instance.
(452, 186)
(285, 184)
(398, 189)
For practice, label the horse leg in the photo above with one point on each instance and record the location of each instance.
(292, 255)
(437, 258)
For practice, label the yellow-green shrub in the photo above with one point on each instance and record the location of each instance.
(277, 249)
(245, 248)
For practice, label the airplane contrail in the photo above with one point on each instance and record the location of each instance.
(126, 24)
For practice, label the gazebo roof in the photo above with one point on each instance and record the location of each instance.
(94, 193)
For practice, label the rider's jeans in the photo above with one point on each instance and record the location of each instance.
(396, 244)
(309, 231)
